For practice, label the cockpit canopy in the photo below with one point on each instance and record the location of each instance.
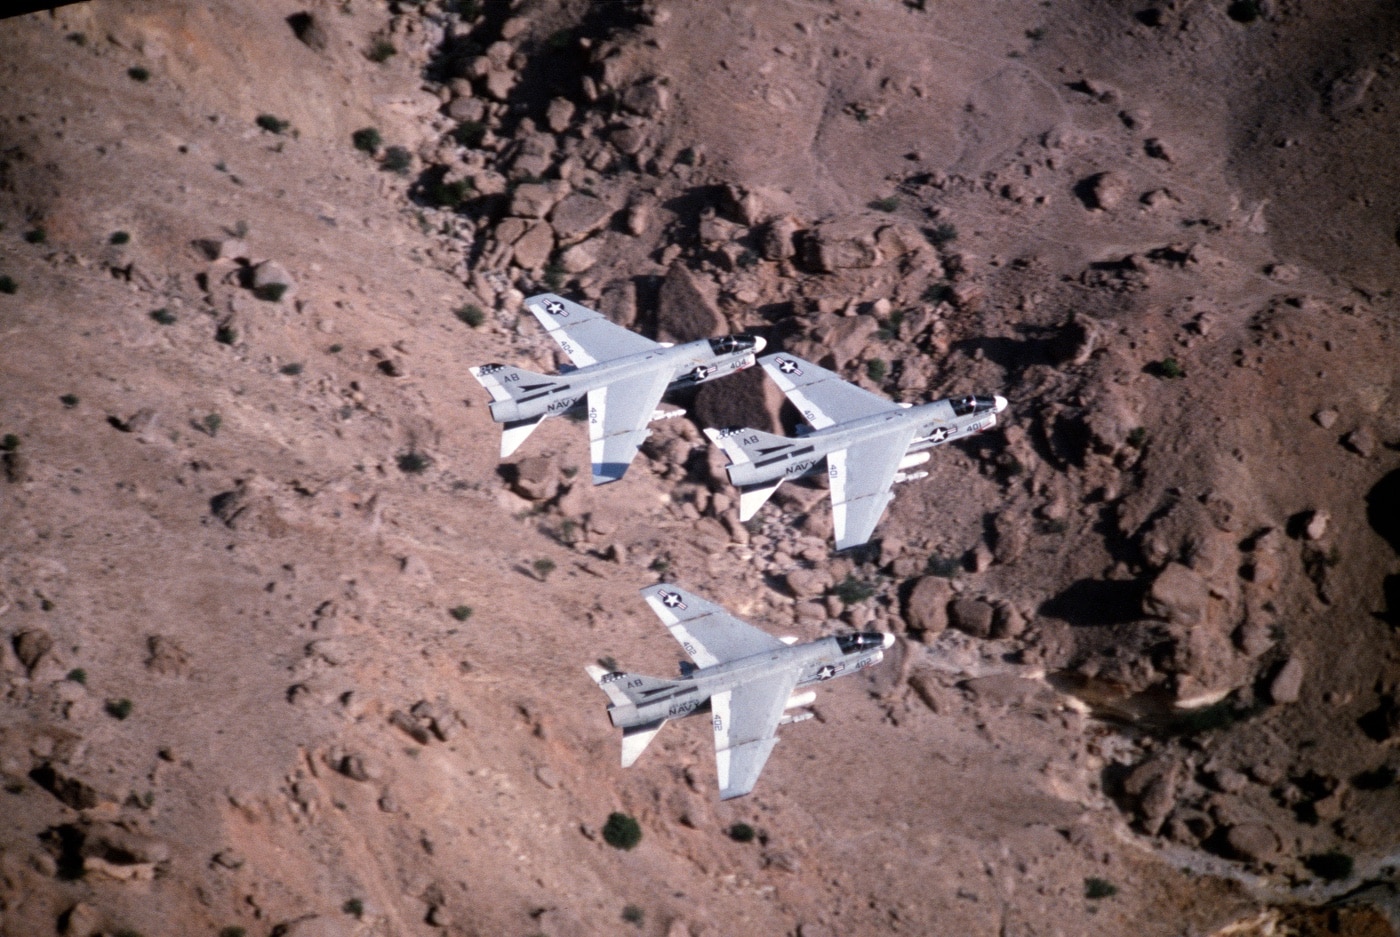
(730, 344)
(973, 403)
(860, 641)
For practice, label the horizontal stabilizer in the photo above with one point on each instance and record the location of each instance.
(608, 686)
(507, 382)
(742, 444)
(515, 432)
(636, 739)
(753, 497)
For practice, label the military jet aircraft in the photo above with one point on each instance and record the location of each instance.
(742, 676)
(868, 443)
(623, 375)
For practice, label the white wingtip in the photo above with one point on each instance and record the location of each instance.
(1000, 402)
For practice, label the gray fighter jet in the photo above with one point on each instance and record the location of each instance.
(742, 676)
(623, 374)
(868, 443)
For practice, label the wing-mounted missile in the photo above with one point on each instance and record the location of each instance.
(790, 718)
(801, 699)
(658, 415)
(913, 459)
(902, 477)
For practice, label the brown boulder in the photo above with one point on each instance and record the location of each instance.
(686, 308)
(972, 616)
(1178, 594)
(926, 610)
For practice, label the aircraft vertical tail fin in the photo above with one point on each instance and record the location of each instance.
(753, 497)
(636, 739)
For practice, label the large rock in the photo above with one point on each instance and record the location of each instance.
(533, 199)
(742, 399)
(1253, 842)
(578, 215)
(686, 309)
(533, 249)
(926, 611)
(843, 245)
(1178, 594)
(1287, 684)
(972, 616)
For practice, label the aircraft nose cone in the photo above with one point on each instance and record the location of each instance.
(889, 641)
(759, 343)
(1000, 402)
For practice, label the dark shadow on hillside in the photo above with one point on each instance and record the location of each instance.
(1097, 603)
(1383, 509)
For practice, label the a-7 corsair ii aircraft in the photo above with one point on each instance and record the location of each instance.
(868, 443)
(623, 374)
(743, 678)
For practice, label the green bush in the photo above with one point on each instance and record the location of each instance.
(164, 316)
(554, 276)
(622, 831)
(941, 234)
(414, 463)
(354, 907)
(272, 124)
(742, 833)
(1170, 368)
(1137, 437)
(397, 159)
(938, 293)
(225, 334)
(633, 914)
(543, 567)
(36, 236)
(460, 612)
(381, 51)
(8, 285)
(888, 203)
(1096, 888)
(852, 590)
(945, 566)
(367, 140)
(69, 400)
(291, 370)
(119, 238)
(470, 133)
(472, 315)
(877, 370)
(137, 73)
(77, 675)
(9, 443)
(118, 708)
(233, 930)
(211, 423)
(450, 194)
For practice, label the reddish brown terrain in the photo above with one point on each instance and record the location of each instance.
(282, 653)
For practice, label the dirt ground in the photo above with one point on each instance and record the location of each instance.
(287, 650)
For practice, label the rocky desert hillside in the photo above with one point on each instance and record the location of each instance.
(288, 651)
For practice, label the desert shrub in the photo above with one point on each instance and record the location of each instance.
(225, 334)
(1035, 35)
(852, 590)
(945, 566)
(8, 285)
(543, 567)
(164, 316)
(233, 930)
(470, 133)
(211, 423)
(291, 370)
(877, 370)
(118, 708)
(354, 907)
(633, 914)
(554, 276)
(381, 51)
(1243, 11)
(272, 124)
(888, 203)
(1169, 368)
(36, 236)
(119, 238)
(460, 612)
(397, 159)
(622, 831)
(472, 315)
(137, 73)
(367, 140)
(1095, 888)
(9, 442)
(1137, 437)
(941, 234)
(77, 675)
(450, 194)
(742, 833)
(938, 293)
(413, 463)
(69, 400)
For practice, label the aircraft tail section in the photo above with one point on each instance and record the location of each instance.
(626, 689)
(636, 739)
(744, 445)
(753, 497)
(507, 382)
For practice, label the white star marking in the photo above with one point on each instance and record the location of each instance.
(788, 366)
(671, 600)
(555, 308)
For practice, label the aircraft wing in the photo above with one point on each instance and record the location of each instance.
(745, 721)
(618, 415)
(823, 397)
(586, 336)
(709, 634)
(861, 476)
